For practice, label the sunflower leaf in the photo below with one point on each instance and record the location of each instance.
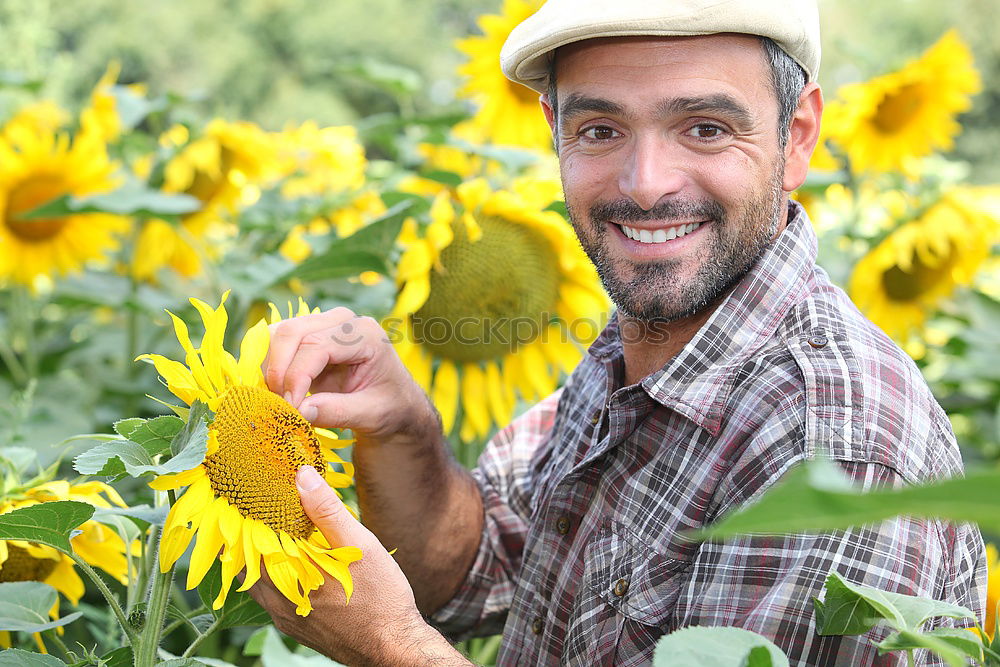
(51, 523)
(717, 647)
(125, 427)
(816, 496)
(132, 199)
(952, 644)
(365, 250)
(274, 653)
(193, 432)
(15, 657)
(25, 605)
(239, 609)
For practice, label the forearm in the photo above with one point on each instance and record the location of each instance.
(417, 499)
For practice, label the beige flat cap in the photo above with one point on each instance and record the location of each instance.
(525, 57)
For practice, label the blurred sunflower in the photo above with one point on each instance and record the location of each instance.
(508, 112)
(320, 160)
(101, 116)
(906, 276)
(491, 296)
(346, 220)
(38, 166)
(96, 544)
(223, 169)
(992, 589)
(883, 123)
(44, 116)
(242, 500)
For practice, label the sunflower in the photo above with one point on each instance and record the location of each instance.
(992, 589)
(223, 169)
(101, 116)
(907, 114)
(904, 278)
(241, 499)
(508, 112)
(96, 543)
(320, 160)
(37, 166)
(45, 116)
(491, 296)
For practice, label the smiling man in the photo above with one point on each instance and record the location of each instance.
(681, 128)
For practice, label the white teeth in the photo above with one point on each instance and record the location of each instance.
(659, 235)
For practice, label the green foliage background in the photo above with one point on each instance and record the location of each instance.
(277, 61)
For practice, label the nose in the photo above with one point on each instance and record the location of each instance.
(650, 172)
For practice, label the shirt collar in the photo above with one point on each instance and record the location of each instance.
(696, 382)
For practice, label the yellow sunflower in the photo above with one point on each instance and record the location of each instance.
(907, 114)
(37, 166)
(101, 116)
(508, 112)
(242, 500)
(992, 589)
(903, 279)
(45, 116)
(492, 296)
(320, 160)
(96, 543)
(223, 169)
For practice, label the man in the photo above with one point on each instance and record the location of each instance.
(681, 128)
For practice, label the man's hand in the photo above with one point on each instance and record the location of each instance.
(356, 378)
(381, 624)
(412, 493)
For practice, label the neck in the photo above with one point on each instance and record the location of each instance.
(648, 346)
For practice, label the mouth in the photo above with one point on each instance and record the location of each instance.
(663, 235)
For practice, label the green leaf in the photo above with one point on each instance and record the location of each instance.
(239, 609)
(25, 605)
(46, 523)
(156, 437)
(15, 657)
(143, 515)
(850, 609)
(254, 645)
(274, 653)
(365, 250)
(816, 496)
(758, 656)
(716, 647)
(133, 199)
(181, 662)
(120, 657)
(193, 432)
(950, 648)
(125, 427)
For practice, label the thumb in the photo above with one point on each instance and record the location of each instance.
(325, 509)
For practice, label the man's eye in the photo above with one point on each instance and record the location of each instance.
(600, 133)
(706, 131)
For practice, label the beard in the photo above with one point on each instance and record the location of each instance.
(656, 291)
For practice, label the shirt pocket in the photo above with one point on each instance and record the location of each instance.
(636, 590)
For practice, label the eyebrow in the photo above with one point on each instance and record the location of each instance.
(576, 104)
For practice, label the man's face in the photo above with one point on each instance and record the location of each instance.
(670, 164)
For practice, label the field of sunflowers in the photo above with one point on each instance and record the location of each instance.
(149, 235)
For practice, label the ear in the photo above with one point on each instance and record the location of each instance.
(803, 133)
(550, 114)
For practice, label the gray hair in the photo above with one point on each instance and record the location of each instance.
(787, 81)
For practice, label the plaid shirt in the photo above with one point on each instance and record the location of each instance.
(582, 559)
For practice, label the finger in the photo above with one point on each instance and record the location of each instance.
(355, 411)
(328, 513)
(285, 339)
(320, 350)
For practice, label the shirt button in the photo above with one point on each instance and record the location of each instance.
(621, 587)
(562, 525)
(818, 341)
(536, 626)
(596, 418)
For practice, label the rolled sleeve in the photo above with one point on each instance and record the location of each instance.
(504, 477)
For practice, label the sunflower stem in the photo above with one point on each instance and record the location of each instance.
(53, 636)
(17, 370)
(156, 610)
(189, 651)
(132, 344)
(25, 329)
(109, 597)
